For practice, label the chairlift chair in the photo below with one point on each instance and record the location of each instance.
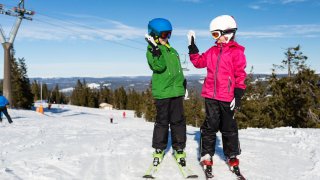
(184, 63)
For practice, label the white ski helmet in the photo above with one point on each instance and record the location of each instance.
(222, 23)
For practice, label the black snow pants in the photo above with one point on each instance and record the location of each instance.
(170, 114)
(219, 116)
(5, 112)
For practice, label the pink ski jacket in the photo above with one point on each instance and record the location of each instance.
(225, 65)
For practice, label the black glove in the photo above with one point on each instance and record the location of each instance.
(154, 47)
(238, 93)
(155, 50)
(193, 49)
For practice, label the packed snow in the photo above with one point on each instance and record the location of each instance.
(70, 142)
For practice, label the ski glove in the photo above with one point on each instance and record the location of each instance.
(154, 47)
(236, 102)
(193, 49)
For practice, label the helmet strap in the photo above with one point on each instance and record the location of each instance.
(156, 39)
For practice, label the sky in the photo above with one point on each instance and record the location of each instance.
(98, 38)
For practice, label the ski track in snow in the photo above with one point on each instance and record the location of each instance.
(70, 142)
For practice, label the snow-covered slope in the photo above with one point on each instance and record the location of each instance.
(72, 142)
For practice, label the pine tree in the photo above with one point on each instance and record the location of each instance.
(150, 108)
(22, 96)
(77, 94)
(35, 90)
(123, 98)
(294, 60)
(120, 98)
(294, 101)
(84, 96)
(194, 109)
(135, 102)
(106, 95)
(93, 98)
(45, 92)
(138, 105)
(131, 97)
(255, 98)
(58, 97)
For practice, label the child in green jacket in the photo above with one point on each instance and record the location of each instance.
(168, 90)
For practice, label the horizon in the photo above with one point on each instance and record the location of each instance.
(134, 76)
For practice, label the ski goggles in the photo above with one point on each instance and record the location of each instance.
(218, 33)
(165, 34)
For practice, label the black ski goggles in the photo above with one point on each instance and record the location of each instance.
(218, 33)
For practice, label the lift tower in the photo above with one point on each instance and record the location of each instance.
(21, 13)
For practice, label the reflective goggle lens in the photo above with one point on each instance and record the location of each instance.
(165, 34)
(216, 34)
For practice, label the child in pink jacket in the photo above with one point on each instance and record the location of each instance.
(222, 89)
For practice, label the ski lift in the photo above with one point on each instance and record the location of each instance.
(184, 63)
(23, 11)
(19, 11)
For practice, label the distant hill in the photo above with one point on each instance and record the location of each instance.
(139, 83)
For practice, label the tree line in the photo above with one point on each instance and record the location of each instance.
(289, 101)
(293, 100)
(140, 102)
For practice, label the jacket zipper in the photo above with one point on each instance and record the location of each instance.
(172, 69)
(174, 73)
(216, 74)
(229, 84)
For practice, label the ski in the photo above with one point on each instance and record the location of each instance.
(186, 171)
(236, 171)
(158, 156)
(152, 170)
(207, 169)
(208, 172)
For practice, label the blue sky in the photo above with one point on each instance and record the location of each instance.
(99, 38)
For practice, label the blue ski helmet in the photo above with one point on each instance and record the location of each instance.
(159, 25)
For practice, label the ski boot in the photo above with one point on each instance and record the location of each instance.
(157, 157)
(180, 157)
(233, 163)
(206, 162)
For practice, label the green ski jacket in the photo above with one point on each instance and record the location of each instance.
(167, 77)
